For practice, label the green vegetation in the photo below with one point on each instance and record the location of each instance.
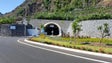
(82, 43)
(78, 10)
(83, 39)
(63, 10)
(20, 11)
(54, 16)
(47, 4)
(104, 31)
(94, 17)
(74, 9)
(68, 5)
(7, 20)
(76, 28)
(78, 14)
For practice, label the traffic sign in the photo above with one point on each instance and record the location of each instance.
(12, 27)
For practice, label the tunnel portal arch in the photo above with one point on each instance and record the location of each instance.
(52, 28)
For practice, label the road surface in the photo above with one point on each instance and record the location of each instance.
(12, 51)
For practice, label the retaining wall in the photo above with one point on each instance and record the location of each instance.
(64, 24)
(5, 30)
(89, 27)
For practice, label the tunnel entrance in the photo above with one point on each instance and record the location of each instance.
(51, 29)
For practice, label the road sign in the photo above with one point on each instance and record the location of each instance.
(52, 26)
(12, 27)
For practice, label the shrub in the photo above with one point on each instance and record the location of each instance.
(69, 46)
(78, 48)
(94, 16)
(89, 49)
(101, 50)
(42, 36)
(47, 42)
(54, 16)
(83, 48)
(7, 20)
(110, 53)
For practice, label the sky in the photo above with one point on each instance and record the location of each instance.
(9, 5)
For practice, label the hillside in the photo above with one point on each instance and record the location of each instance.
(1, 14)
(105, 3)
(60, 9)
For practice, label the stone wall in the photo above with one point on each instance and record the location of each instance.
(19, 31)
(5, 30)
(89, 27)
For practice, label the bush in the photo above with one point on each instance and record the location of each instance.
(43, 36)
(101, 50)
(94, 17)
(7, 20)
(83, 48)
(95, 50)
(54, 16)
(90, 49)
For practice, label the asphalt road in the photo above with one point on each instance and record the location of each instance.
(12, 51)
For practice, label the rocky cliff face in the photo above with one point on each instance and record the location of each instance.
(28, 7)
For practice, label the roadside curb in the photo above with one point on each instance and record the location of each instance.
(69, 49)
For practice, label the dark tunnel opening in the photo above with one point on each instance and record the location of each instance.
(52, 29)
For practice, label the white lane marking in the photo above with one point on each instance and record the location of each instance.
(72, 50)
(76, 56)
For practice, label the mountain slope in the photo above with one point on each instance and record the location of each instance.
(106, 3)
(1, 14)
(28, 7)
(53, 8)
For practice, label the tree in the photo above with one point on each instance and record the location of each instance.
(104, 31)
(76, 29)
(7, 20)
(47, 4)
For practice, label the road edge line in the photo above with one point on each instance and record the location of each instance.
(51, 50)
(69, 49)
